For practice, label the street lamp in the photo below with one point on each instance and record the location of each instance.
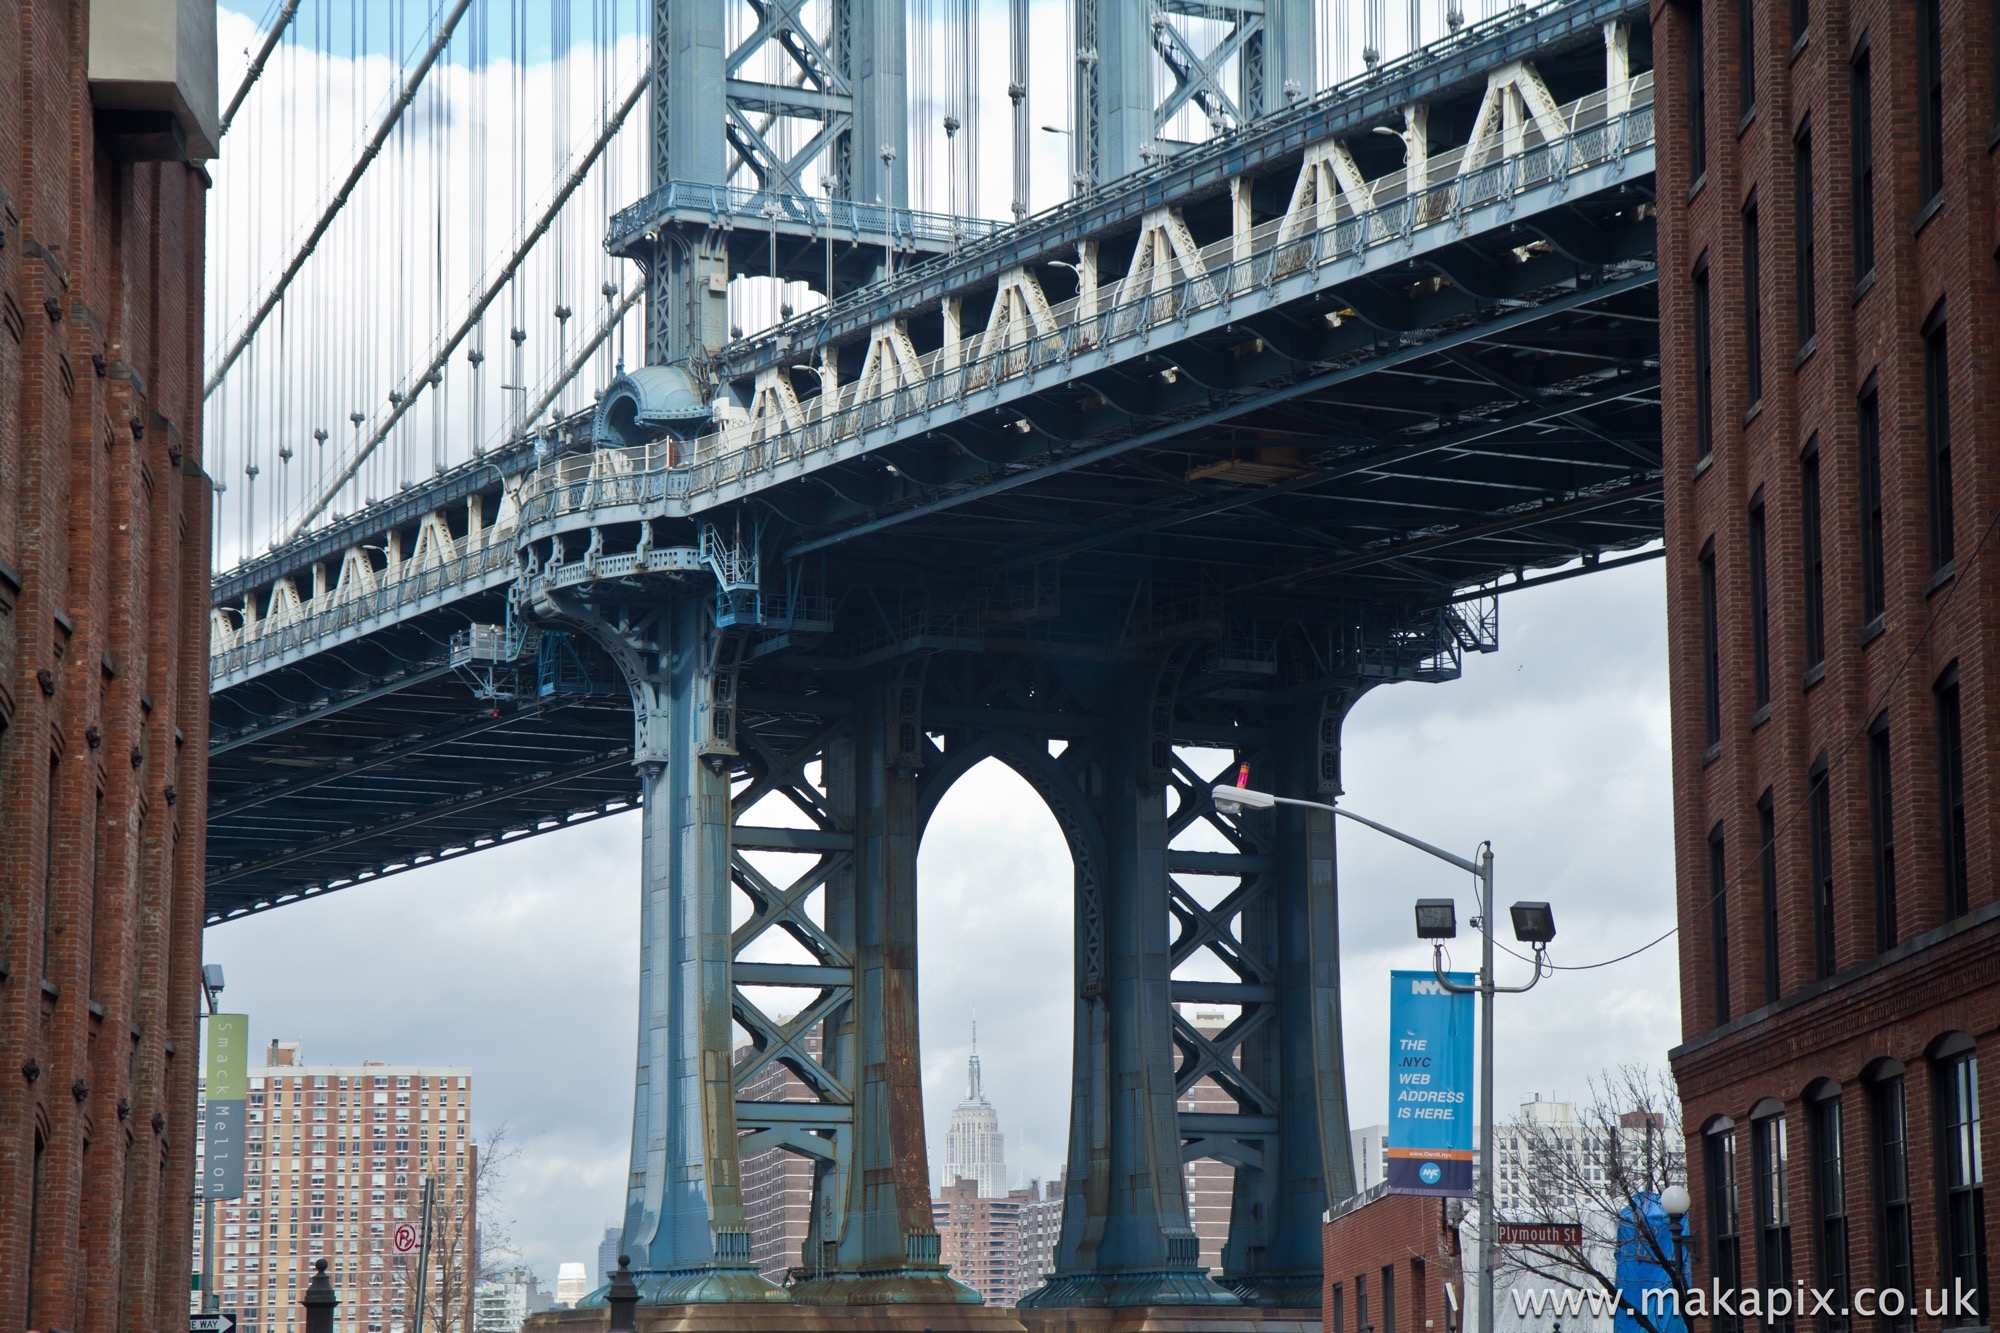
(1675, 1202)
(1437, 921)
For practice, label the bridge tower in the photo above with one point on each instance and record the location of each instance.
(734, 160)
(1125, 114)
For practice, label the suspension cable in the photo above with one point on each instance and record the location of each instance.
(256, 70)
(500, 280)
(581, 359)
(368, 155)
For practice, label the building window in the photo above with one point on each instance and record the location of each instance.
(1819, 811)
(1951, 794)
(1746, 55)
(1388, 1298)
(1892, 1193)
(1962, 1194)
(1697, 72)
(1767, 873)
(1760, 611)
(1882, 834)
(1753, 307)
(1339, 1309)
(1704, 388)
(1718, 921)
(1805, 254)
(1711, 664)
(1937, 438)
(1869, 446)
(1772, 1163)
(1861, 114)
(1361, 1324)
(1801, 20)
(1724, 1254)
(1930, 100)
(1811, 553)
(1829, 1176)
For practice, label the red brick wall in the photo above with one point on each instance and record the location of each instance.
(103, 672)
(1401, 1231)
(1944, 975)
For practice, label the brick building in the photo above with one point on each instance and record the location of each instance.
(107, 108)
(336, 1160)
(1829, 342)
(1387, 1259)
(979, 1238)
(777, 1183)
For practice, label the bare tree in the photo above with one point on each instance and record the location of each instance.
(468, 1243)
(1607, 1168)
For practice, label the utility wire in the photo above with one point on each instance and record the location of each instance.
(500, 280)
(390, 120)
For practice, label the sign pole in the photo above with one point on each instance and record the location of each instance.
(1486, 1137)
(424, 1253)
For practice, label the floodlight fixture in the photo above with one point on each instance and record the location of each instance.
(1437, 919)
(1534, 923)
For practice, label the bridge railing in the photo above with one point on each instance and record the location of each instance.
(1602, 128)
(241, 647)
(719, 205)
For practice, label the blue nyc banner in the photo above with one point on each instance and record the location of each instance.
(1430, 1085)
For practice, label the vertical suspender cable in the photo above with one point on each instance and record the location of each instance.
(389, 122)
(493, 289)
(1017, 93)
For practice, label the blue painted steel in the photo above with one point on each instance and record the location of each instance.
(1430, 1084)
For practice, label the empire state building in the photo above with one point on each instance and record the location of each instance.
(974, 1148)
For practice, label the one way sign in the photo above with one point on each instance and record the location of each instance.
(211, 1323)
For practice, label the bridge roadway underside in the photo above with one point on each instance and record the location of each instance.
(1376, 474)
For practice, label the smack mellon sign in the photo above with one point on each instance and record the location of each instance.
(1430, 1085)
(227, 1086)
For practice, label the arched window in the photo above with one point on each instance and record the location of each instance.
(1719, 1172)
(1889, 1143)
(1825, 1127)
(1961, 1223)
(1771, 1161)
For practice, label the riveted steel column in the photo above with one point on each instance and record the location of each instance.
(877, 1242)
(1114, 112)
(1144, 1251)
(684, 1227)
(685, 319)
(1273, 1257)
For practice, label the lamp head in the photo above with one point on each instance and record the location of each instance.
(1534, 923)
(1437, 919)
(211, 978)
(1674, 1201)
(1230, 800)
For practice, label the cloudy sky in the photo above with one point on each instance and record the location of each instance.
(521, 962)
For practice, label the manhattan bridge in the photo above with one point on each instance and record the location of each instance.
(843, 487)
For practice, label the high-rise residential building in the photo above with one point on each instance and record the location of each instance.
(337, 1159)
(502, 1304)
(1038, 1226)
(1211, 1184)
(1830, 438)
(777, 1184)
(1370, 1146)
(607, 1252)
(975, 1149)
(979, 1238)
(108, 113)
(572, 1283)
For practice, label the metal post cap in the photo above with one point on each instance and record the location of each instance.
(623, 1298)
(320, 1290)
